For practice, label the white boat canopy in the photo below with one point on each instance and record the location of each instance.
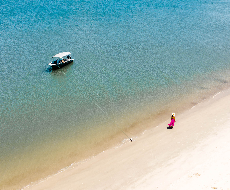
(61, 55)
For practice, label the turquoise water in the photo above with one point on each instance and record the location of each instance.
(133, 60)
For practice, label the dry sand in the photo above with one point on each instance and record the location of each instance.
(193, 155)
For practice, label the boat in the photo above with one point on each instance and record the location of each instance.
(60, 60)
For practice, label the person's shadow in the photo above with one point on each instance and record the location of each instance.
(169, 127)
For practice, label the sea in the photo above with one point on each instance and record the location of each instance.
(135, 63)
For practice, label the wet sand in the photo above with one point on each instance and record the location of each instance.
(195, 154)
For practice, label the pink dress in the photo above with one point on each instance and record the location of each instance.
(172, 122)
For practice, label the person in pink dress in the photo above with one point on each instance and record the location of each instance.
(173, 120)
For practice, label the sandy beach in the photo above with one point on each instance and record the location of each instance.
(195, 154)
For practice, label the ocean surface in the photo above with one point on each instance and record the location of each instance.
(135, 61)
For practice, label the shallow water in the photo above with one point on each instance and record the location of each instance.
(133, 61)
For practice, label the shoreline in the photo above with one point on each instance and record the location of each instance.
(137, 164)
(146, 118)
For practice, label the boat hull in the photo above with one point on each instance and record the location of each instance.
(60, 65)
